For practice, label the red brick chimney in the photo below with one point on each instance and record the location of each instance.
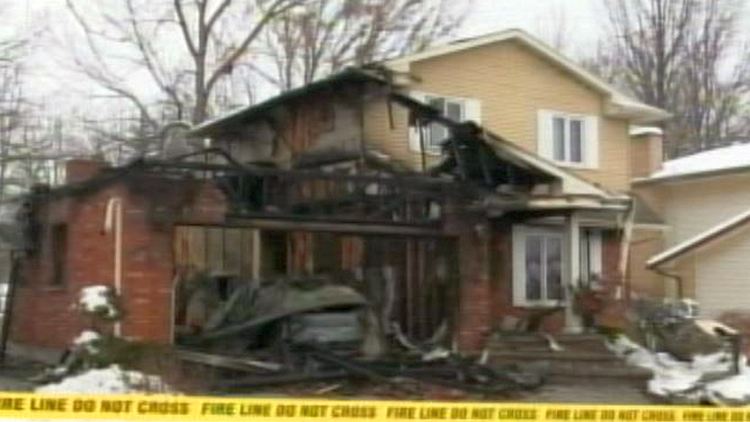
(81, 169)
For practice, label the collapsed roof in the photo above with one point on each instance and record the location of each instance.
(472, 153)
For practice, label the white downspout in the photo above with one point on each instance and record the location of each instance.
(113, 217)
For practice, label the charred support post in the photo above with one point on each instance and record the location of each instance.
(572, 269)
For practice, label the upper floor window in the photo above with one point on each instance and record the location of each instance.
(568, 139)
(455, 108)
(451, 108)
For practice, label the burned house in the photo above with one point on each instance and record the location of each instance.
(293, 188)
(409, 201)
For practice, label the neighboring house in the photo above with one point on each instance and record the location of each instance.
(471, 184)
(704, 199)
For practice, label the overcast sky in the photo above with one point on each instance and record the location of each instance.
(579, 22)
(49, 81)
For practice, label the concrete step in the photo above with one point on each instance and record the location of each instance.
(599, 371)
(579, 368)
(560, 338)
(535, 342)
(584, 356)
(526, 355)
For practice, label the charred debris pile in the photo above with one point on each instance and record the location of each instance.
(316, 337)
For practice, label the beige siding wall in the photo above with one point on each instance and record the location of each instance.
(512, 84)
(692, 207)
(645, 244)
(723, 276)
(718, 276)
(645, 155)
(387, 130)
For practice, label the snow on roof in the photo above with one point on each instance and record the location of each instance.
(645, 130)
(726, 158)
(699, 240)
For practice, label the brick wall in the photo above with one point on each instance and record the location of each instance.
(43, 315)
(475, 302)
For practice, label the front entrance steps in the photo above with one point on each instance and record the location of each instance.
(575, 355)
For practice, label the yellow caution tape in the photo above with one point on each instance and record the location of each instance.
(184, 408)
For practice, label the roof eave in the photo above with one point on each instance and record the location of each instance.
(213, 126)
(636, 112)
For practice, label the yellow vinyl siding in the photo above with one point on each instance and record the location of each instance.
(644, 245)
(716, 275)
(645, 155)
(512, 84)
(379, 134)
(721, 273)
(692, 207)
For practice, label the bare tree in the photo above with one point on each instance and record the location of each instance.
(326, 35)
(26, 156)
(185, 48)
(712, 91)
(11, 110)
(650, 36)
(673, 54)
(553, 27)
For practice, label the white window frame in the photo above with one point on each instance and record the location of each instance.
(593, 261)
(470, 109)
(589, 138)
(520, 235)
(430, 144)
(567, 139)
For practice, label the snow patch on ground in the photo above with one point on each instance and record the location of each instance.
(706, 378)
(98, 300)
(110, 380)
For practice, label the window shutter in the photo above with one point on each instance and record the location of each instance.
(473, 111)
(544, 134)
(591, 141)
(414, 144)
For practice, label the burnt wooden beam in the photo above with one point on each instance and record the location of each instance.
(485, 163)
(407, 181)
(460, 159)
(421, 129)
(288, 224)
